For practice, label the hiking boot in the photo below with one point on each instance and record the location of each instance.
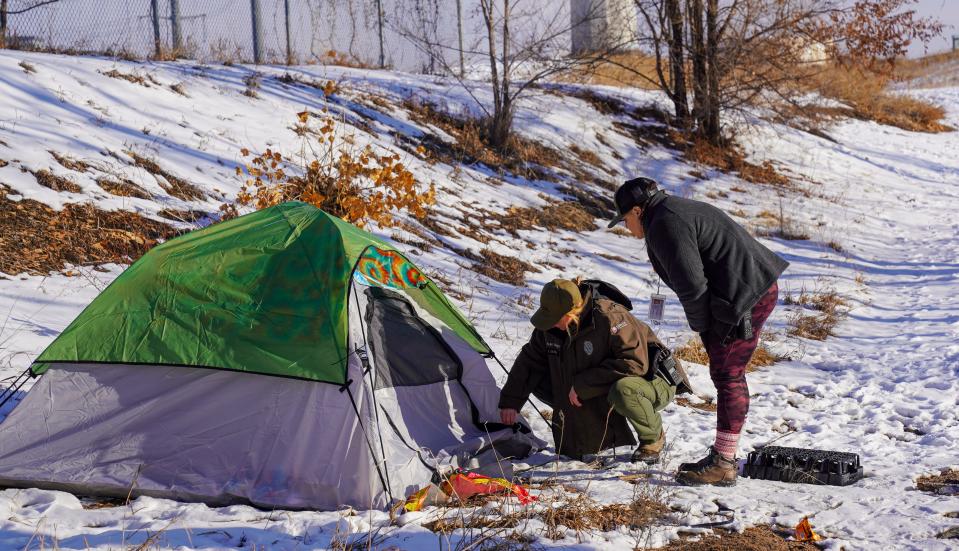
(649, 453)
(714, 470)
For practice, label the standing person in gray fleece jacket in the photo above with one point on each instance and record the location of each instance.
(727, 284)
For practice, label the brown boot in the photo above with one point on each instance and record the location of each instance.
(649, 453)
(714, 469)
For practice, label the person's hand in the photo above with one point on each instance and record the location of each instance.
(573, 398)
(508, 416)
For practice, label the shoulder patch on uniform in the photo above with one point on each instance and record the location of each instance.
(615, 329)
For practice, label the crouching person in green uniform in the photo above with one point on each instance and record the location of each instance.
(598, 367)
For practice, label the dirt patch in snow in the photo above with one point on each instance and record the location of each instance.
(122, 188)
(36, 239)
(50, 180)
(757, 538)
(944, 483)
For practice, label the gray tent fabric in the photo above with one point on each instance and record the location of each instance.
(220, 437)
(226, 437)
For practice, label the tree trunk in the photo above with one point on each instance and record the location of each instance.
(677, 61)
(3, 24)
(711, 128)
(697, 49)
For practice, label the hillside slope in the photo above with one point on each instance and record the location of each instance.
(876, 209)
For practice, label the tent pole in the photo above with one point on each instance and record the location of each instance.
(15, 386)
(356, 410)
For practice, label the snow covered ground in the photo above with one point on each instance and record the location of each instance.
(885, 386)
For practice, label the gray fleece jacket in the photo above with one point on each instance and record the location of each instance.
(718, 271)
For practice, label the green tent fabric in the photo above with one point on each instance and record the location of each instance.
(266, 293)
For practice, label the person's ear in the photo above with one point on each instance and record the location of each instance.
(638, 211)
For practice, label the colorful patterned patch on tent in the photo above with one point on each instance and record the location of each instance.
(387, 268)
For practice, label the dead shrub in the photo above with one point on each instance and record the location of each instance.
(123, 188)
(829, 309)
(356, 184)
(174, 185)
(37, 239)
(27, 67)
(67, 162)
(502, 268)
(57, 183)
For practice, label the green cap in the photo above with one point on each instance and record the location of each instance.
(559, 297)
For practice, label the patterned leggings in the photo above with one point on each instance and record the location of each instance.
(727, 367)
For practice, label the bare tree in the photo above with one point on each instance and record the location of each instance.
(523, 44)
(5, 12)
(741, 52)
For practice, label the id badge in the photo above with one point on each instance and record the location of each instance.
(657, 307)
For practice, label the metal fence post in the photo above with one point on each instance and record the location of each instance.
(175, 27)
(459, 29)
(257, 31)
(289, 50)
(379, 17)
(155, 15)
(3, 24)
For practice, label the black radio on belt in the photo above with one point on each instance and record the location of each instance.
(661, 358)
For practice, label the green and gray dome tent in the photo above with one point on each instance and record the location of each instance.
(284, 358)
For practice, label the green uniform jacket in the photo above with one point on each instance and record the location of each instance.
(610, 344)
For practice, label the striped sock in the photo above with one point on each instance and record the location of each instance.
(726, 443)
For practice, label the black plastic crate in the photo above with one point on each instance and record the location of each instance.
(803, 465)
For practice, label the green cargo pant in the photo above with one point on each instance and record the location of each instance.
(639, 400)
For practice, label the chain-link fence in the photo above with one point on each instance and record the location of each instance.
(374, 33)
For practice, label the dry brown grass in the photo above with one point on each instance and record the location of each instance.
(829, 308)
(931, 65)
(730, 159)
(174, 185)
(631, 69)
(70, 163)
(57, 183)
(756, 538)
(576, 512)
(556, 215)
(502, 268)
(939, 483)
(702, 406)
(129, 77)
(867, 98)
(523, 157)
(122, 188)
(27, 67)
(37, 239)
(694, 351)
